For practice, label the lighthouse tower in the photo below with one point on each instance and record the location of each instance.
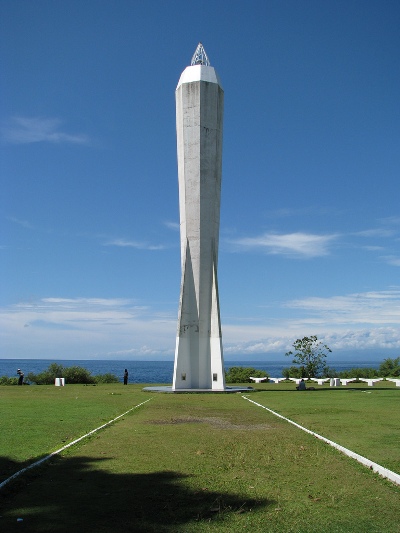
(199, 120)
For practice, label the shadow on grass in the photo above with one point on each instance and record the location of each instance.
(75, 494)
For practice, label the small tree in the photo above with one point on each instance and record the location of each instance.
(310, 354)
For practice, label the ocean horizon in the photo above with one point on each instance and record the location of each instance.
(154, 371)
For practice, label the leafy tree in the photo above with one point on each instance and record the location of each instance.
(241, 374)
(309, 354)
(390, 368)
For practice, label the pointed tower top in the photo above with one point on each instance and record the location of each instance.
(200, 57)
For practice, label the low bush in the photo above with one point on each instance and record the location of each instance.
(292, 372)
(106, 378)
(359, 373)
(241, 374)
(73, 375)
(48, 376)
(78, 374)
(4, 380)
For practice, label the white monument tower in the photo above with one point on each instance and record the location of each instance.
(199, 111)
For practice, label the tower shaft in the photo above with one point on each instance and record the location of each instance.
(199, 124)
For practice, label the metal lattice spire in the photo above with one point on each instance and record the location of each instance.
(200, 57)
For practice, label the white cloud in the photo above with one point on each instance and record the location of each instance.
(361, 321)
(356, 341)
(172, 225)
(23, 223)
(125, 243)
(393, 220)
(361, 308)
(367, 339)
(376, 232)
(83, 327)
(25, 130)
(73, 328)
(392, 260)
(299, 244)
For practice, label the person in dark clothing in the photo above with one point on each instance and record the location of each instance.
(21, 376)
(302, 385)
(126, 376)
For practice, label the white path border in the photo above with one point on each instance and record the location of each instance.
(385, 472)
(52, 454)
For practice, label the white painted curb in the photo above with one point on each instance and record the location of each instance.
(385, 472)
(37, 463)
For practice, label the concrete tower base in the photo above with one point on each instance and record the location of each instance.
(169, 389)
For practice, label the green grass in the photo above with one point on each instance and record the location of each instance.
(37, 420)
(365, 420)
(196, 463)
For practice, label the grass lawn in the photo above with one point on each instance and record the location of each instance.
(364, 419)
(193, 463)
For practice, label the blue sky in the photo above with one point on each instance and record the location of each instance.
(310, 217)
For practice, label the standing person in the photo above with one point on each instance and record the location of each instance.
(126, 376)
(21, 376)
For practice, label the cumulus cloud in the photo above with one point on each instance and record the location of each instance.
(27, 130)
(102, 327)
(383, 338)
(83, 327)
(306, 245)
(365, 339)
(379, 307)
(356, 321)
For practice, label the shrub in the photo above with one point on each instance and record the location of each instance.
(48, 376)
(72, 375)
(390, 368)
(329, 372)
(241, 374)
(77, 374)
(359, 373)
(4, 380)
(106, 378)
(292, 372)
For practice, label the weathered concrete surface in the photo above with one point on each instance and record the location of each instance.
(199, 124)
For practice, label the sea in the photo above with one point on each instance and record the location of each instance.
(152, 371)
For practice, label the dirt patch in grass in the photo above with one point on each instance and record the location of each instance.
(216, 422)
